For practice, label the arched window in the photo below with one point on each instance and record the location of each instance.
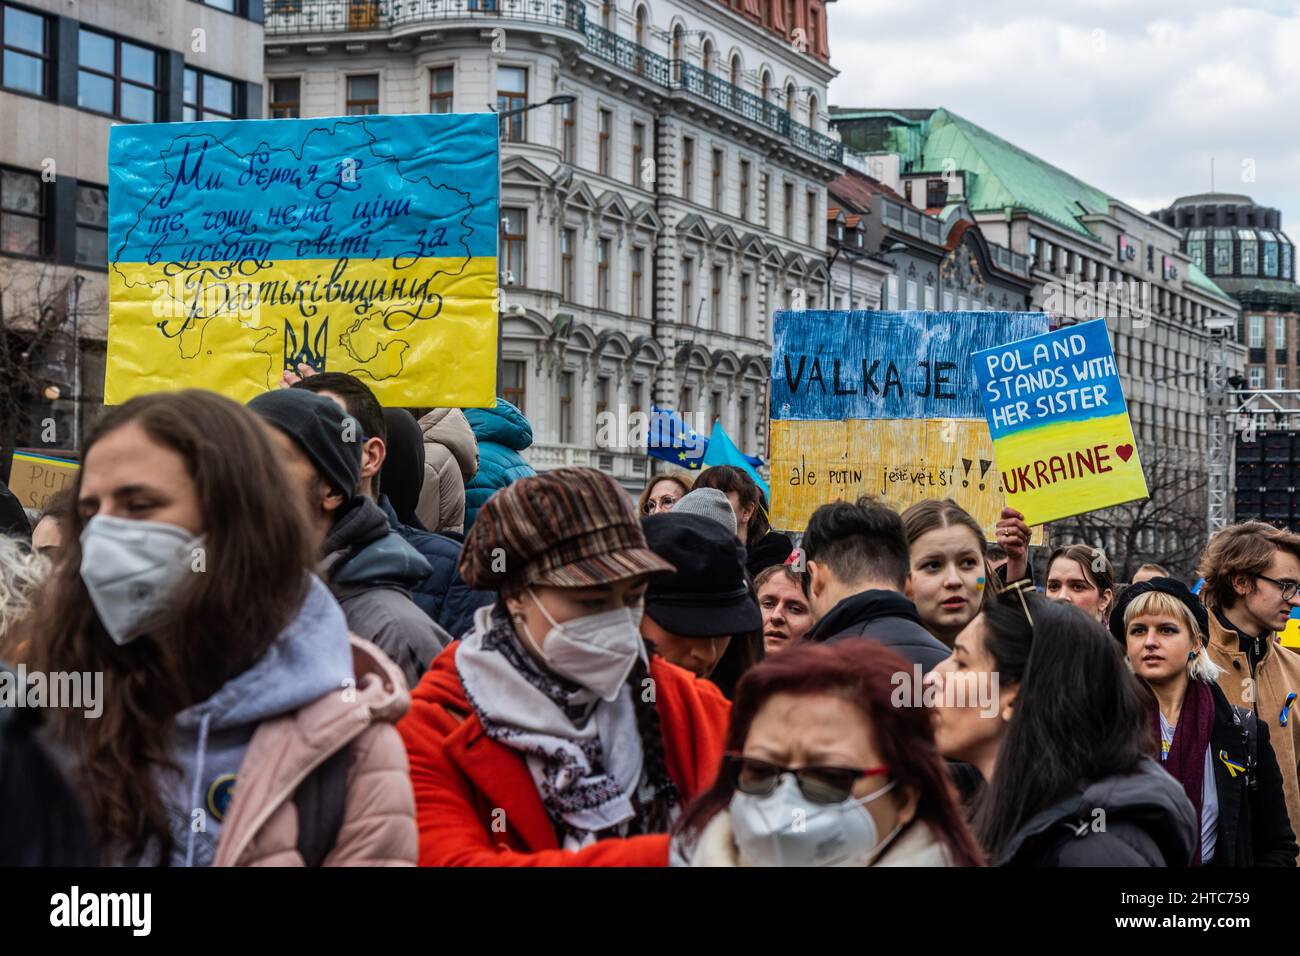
(606, 13)
(789, 98)
(708, 56)
(766, 85)
(677, 53)
(735, 69)
(640, 26)
(812, 110)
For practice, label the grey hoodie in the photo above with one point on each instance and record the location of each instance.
(310, 658)
(371, 571)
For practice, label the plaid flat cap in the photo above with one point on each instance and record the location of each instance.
(569, 528)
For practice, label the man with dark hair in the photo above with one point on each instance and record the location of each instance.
(442, 593)
(359, 401)
(1252, 575)
(857, 559)
(367, 567)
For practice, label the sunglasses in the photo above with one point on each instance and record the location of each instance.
(662, 504)
(758, 778)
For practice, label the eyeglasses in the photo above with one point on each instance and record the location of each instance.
(663, 504)
(758, 778)
(1288, 588)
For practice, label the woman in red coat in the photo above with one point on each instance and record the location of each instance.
(546, 736)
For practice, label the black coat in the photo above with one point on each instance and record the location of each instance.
(771, 549)
(443, 594)
(1137, 819)
(884, 616)
(1253, 827)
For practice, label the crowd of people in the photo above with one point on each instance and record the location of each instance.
(331, 632)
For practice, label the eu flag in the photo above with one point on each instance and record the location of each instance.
(669, 438)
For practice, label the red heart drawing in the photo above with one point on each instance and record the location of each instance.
(1125, 452)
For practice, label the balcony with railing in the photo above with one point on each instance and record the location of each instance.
(630, 56)
(313, 17)
(1009, 261)
(819, 144)
(718, 91)
(287, 17)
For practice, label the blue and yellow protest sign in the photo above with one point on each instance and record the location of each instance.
(1290, 635)
(365, 245)
(1060, 426)
(883, 405)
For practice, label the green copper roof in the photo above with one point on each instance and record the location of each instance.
(1198, 278)
(1005, 175)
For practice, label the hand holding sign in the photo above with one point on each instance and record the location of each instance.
(1013, 534)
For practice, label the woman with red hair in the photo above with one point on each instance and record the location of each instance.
(824, 768)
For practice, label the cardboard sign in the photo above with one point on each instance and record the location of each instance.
(884, 405)
(365, 245)
(33, 478)
(1060, 426)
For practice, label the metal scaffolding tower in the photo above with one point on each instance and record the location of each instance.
(1248, 412)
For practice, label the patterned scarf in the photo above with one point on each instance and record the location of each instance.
(584, 754)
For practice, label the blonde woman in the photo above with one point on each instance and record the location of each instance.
(1220, 753)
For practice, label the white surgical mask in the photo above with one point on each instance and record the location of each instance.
(131, 569)
(597, 651)
(785, 828)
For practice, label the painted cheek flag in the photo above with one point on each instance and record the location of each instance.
(722, 451)
(367, 245)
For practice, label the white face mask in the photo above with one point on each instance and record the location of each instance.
(131, 569)
(785, 828)
(597, 651)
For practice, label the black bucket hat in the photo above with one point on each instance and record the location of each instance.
(1168, 586)
(708, 595)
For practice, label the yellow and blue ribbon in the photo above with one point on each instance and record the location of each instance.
(1286, 708)
(1233, 767)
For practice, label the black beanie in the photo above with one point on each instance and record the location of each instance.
(1170, 586)
(321, 429)
(403, 471)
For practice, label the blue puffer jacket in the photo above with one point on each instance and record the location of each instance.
(443, 593)
(502, 433)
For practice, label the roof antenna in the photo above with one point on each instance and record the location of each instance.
(1211, 174)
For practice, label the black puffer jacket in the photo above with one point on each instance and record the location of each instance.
(1137, 819)
(884, 616)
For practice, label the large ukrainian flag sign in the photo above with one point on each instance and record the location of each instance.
(1059, 422)
(884, 405)
(364, 245)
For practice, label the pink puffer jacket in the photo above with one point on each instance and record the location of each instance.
(379, 821)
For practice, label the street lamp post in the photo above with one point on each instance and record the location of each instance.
(857, 257)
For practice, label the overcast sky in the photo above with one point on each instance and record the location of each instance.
(1132, 96)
